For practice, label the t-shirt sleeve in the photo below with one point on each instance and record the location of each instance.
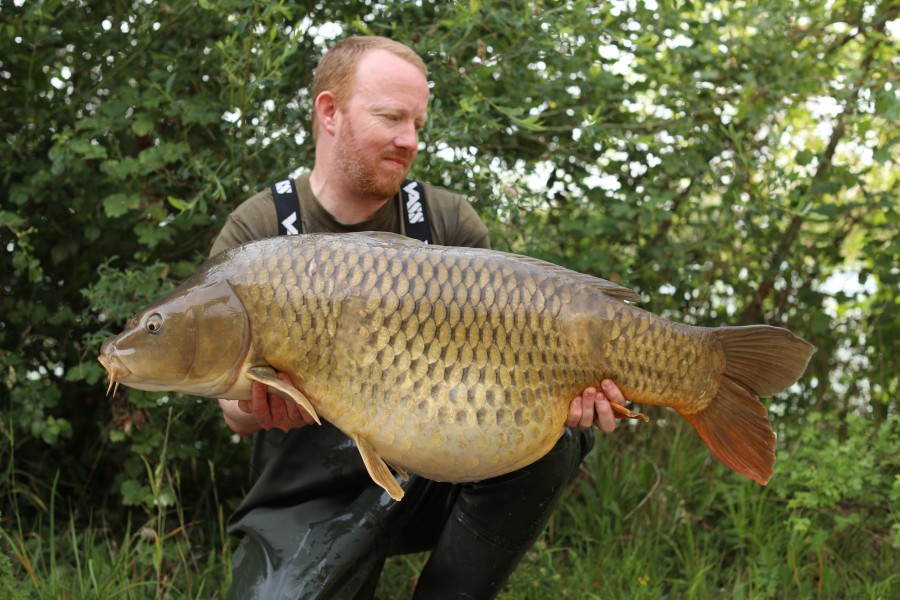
(471, 229)
(253, 219)
(455, 222)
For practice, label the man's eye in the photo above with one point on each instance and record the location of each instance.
(392, 118)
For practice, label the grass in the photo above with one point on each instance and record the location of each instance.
(655, 517)
(651, 516)
(164, 556)
(156, 559)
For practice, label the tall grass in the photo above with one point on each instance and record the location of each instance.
(94, 561)
(83, 556)
(651, 515)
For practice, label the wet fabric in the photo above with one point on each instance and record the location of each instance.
(315, 526)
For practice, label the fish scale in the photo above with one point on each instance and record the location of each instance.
(457, 364)
(456, 351)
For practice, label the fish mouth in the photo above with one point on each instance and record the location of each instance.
(115, 370)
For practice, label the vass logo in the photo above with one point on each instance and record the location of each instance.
(286, 187)
(413, 206)
(289, 224)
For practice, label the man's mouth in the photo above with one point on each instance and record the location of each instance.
(401, 162)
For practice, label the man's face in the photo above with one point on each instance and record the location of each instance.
(378, 129)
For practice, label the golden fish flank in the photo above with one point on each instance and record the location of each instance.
(457, 364)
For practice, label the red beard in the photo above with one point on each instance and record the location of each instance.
(366, 174)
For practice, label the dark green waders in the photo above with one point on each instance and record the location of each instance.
(314, 526)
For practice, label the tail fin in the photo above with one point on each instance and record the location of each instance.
(759, 361)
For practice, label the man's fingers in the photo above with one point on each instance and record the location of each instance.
(588, 398)
(612, 392)
(296, 414)
(273, 411)
(279, 408)
(259, 397)
(605, 419)
(574, 416)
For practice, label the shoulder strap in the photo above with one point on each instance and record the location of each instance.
(412, 202)
(287, 207)
(415, 217)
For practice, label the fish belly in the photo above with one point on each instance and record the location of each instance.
(450, 365)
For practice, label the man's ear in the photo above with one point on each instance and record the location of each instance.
(326, 109)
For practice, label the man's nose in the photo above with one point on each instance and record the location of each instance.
(408, 137)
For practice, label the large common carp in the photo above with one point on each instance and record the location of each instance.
(457, 364)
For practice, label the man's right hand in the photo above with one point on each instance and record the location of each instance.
(265, 410)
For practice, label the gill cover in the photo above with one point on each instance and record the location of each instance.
(192, 341)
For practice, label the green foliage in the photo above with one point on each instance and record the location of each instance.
(838, 487)
(733, 162)
(10, 588)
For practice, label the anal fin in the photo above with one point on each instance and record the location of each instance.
(267, 376)
(624, 413)
(378, 469)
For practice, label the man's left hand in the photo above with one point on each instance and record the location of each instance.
(592, 407)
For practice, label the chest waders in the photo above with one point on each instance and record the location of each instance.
(315, 526)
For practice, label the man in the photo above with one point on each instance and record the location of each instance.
(314, 525)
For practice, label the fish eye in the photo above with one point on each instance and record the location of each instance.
(154, 323)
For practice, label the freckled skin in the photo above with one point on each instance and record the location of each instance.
(420, 349)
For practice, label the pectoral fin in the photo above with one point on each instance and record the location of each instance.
(267, 376)
(378, 470)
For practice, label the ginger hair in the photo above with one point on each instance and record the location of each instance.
(336, 72)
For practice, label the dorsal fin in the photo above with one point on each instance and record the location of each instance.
(613, 290)
(388, 236)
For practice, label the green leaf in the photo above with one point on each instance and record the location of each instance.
(118, 204)
(180, 205)
(10, 220)
(804, 157)
(88, 149)
(143, 124)
(885, 152)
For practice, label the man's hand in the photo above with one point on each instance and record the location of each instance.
(592, 407)
(265, 410)
(268, 410)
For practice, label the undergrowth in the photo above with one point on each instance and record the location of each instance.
(651, 515)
